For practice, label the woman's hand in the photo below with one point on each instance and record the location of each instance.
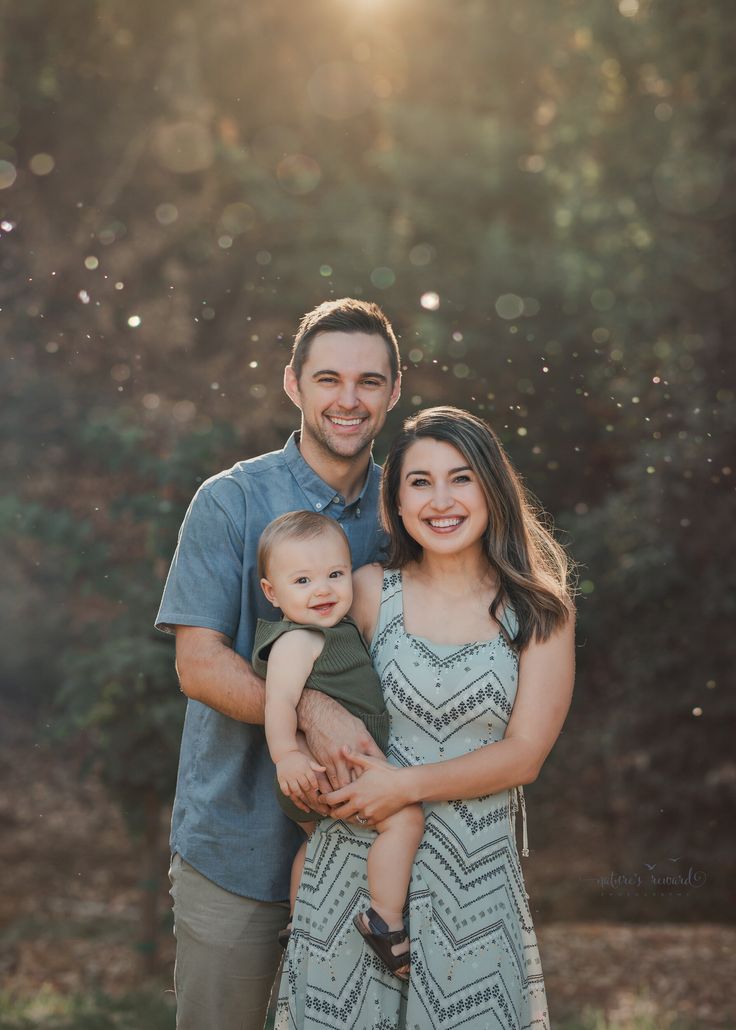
(380, 790)
(327, 727)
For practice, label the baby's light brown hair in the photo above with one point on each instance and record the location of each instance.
(294, 525)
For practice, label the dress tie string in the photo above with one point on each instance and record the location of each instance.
(518, 802)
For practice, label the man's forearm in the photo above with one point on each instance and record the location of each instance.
(211, 672)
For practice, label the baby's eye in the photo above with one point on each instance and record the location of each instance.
(302, 580)
(336, 574)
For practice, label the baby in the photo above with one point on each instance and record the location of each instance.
(305, 567)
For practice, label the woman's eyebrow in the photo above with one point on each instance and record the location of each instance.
(450, 472)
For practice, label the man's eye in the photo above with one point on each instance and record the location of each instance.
(327, 379)
(372, 382)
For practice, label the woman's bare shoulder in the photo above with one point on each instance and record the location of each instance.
(369, 575)
(367, 585)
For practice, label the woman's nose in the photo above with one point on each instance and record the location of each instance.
(441, 498)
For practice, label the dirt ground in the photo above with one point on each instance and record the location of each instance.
(70, 899)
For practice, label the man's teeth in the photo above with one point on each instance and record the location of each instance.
(444, 523)
(345, 421)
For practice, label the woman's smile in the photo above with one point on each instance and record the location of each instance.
(446, 524)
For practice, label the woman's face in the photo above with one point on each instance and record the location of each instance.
(441, 502)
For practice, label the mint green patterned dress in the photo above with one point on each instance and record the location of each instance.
(475, 963)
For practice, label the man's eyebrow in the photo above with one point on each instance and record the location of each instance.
(363, 375)
(450, 472)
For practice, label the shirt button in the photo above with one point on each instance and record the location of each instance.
(336, 499)
(318, 505)
(357, 513)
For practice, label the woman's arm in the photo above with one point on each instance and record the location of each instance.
(546, 674)
(367, 583)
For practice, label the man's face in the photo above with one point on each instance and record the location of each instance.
(344, 392)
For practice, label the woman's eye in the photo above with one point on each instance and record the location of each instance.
(462, 479)
(419, 482)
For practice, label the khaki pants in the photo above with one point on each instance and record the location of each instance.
(227, 953)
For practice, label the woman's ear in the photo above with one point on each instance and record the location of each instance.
(269, 592)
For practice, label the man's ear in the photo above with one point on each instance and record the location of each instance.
(269, 592)
(395, 392)
(291, 386)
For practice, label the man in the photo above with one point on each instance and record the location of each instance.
(231, 846)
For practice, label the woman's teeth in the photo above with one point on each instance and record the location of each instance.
(444, 523)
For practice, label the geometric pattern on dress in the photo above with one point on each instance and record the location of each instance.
(475, 962)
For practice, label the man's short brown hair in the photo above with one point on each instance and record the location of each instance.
(344, 316)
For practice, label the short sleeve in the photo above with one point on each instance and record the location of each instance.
(205, 582)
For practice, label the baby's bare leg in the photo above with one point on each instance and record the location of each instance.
(390, 859)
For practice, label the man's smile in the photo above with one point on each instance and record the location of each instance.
(344, 422)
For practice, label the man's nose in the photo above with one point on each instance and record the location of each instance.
(348, 398)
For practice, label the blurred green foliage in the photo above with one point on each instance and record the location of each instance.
(540, 197)
(54, 1011)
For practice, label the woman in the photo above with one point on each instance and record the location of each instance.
(471, 631)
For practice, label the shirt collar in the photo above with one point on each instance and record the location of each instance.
(320, 494)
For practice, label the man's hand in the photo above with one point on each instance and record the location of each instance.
(328, 728)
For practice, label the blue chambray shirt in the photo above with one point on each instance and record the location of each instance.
(226, 821)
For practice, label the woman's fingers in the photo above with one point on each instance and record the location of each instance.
(337, 797)
(355, 758)
(347, 811)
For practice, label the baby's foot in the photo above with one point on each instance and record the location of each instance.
(391, 946)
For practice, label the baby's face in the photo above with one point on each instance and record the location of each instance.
(310, 580)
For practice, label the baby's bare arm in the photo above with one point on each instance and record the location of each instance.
(290, 662)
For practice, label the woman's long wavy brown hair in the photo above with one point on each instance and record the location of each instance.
(533, 570)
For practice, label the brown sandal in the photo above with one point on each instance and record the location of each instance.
(378, 937)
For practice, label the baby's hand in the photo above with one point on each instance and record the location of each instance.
(297, 774)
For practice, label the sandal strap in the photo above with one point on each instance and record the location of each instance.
(379, 926)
